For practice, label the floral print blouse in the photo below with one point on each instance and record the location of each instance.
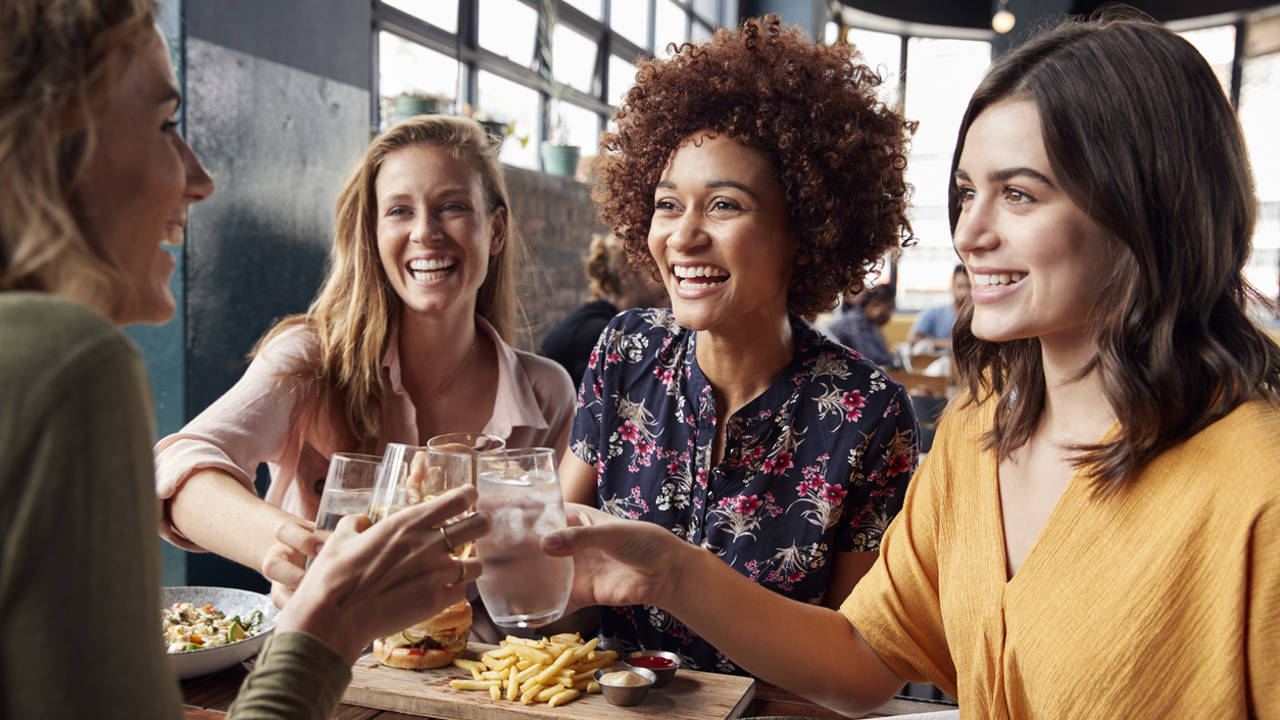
(816, 465)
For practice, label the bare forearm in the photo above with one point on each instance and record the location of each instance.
(808, 649)
(219, 514)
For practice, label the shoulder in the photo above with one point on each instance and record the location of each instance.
(48, 337)
(546, 375)
(1244, 446)
(290, 347)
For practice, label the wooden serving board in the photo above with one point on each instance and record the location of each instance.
(691, 695)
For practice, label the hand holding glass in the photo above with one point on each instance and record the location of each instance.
(521, 586)
(348, 489)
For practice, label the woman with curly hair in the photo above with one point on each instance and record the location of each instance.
(404, 341)
(1096, 531)
(94, 180)
(759, 178)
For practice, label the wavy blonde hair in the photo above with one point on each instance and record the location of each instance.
(60, 58)
(353, 313)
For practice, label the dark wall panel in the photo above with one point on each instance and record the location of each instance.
(330, 38)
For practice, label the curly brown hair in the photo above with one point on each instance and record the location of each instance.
(838, 152)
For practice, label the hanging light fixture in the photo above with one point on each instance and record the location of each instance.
(1002, 22)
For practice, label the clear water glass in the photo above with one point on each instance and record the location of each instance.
(521, 586)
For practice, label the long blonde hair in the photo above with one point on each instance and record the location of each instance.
(353, 313)
(60, 58)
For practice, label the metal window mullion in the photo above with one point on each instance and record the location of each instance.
(1237, 63)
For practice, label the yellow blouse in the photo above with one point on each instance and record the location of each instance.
(1162, 600)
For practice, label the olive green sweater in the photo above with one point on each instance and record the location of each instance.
(80, 628)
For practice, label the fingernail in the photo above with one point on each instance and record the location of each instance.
(553, 542)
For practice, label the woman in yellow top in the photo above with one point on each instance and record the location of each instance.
(1096, 532)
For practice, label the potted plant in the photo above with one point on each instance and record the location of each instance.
(558, 156)
(407, 104)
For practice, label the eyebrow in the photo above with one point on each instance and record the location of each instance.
(1009, 174)
(447, 192)
(715, 184)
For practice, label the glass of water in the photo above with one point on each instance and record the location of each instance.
(521, 586)
(416, 473)
(348, 489)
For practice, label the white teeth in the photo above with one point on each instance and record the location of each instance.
(421, 265)
(997, 278)
(707, 271)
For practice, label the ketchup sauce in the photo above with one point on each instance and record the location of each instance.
(652, 662)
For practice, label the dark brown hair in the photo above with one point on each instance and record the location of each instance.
(1141, 137)
(838, 153)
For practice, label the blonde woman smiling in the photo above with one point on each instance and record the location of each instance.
(404, 341)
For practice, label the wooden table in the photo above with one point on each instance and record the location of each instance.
(208, 698)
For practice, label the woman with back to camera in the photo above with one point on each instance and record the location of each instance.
(94, 178)
(403, 342)
(759, 178)
(612, 286)
(1096, 531)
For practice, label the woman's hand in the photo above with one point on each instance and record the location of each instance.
(370, 581)
(616, 561)
(286, 560)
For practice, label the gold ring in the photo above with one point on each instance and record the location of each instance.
(447, 543)
(462, 573)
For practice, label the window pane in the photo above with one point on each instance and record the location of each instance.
(941, 74)
(630, 19)
(706, 9)
(573, 58)
(668, 27)
(508, 28)
(580, 127)
(1259, 107)
(590, 7)
(441, 13)
(622, 75)
(883, 52)
(405, 66)
(1218, 46)
(507, 101)
(701, 33)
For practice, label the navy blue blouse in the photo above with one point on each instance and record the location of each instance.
(817, 464)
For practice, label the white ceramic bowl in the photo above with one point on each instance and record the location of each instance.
(231, 601)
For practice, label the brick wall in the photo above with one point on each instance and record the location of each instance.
(556, 217)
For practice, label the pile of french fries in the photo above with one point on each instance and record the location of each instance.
(554, 670)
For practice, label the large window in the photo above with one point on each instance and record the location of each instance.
(488, 58)
(941, 73)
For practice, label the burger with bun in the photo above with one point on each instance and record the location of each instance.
(432, 643)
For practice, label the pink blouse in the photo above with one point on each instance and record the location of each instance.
(268, 416)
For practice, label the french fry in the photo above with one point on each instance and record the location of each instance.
(473, 684)
(553, 670)
(512, 685)
(562, 697)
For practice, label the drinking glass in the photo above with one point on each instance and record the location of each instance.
(348, 489)
(521, 586)
(415, 473)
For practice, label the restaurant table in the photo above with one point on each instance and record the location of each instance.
(208, 697)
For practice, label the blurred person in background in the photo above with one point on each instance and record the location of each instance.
(94, 179)
(859, 326)
(612, 286)
(931, 332)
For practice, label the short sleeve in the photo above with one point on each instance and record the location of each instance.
(896, 606)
